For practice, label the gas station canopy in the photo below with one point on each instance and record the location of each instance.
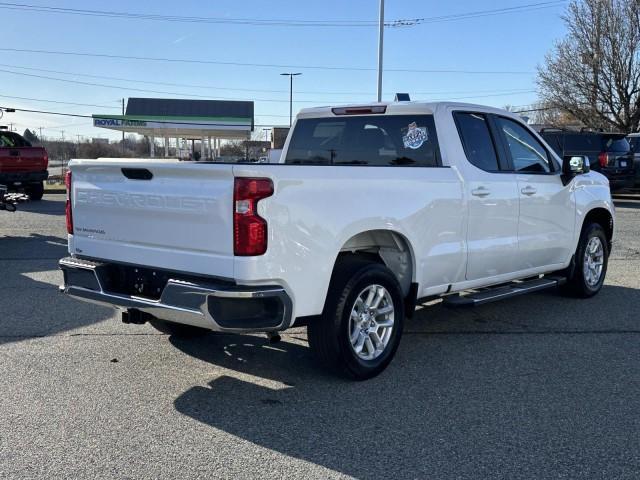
(183, 119)
(190, 119)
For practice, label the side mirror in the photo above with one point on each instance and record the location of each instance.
(573, 165)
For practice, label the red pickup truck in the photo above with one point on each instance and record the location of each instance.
(22, 166)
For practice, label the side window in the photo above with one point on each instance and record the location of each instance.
(476, 140)
(527, 153)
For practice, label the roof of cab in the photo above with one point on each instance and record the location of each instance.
(400, 107)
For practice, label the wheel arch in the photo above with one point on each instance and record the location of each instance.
(603, 217)
(388, 247)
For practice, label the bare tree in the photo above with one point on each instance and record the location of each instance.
(233, 148)
(593, 74)
(543, 113)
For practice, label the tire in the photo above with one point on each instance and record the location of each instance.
(178, 330)
(35, 191)
(353, 280)
(585, 281)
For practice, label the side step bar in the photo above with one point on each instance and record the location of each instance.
(487, 295)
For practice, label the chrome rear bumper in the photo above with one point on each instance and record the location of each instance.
(222, 307)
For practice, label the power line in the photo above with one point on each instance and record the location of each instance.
(163, 92)
(278, 22)
(188, 19)
(78, 115)
(183, 94)
(214, 87)
(56, 101)
(92, 117)
(259, 65)
(477, 14)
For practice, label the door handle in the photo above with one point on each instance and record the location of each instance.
(528, 190)
(480, 192)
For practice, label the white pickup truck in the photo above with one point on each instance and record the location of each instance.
(372, 209)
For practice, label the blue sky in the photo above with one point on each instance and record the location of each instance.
(514, 42)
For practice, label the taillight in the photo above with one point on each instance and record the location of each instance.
(249, 229)
(46, 159)
(67, 209)
(603, 159)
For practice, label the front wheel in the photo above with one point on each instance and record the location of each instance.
(591, 259)
(360, 328)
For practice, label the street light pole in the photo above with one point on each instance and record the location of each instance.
(380, 48)
(291, 75)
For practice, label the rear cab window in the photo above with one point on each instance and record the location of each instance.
(12, 140)
(367, 140)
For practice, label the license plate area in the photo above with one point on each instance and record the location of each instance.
(137, 281)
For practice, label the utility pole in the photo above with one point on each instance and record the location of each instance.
(291, 75)
(41, 137)
(380, 48)
(64, 154)
(123, 130)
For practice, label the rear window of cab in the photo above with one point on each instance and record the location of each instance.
(12, 140)
(368, 140)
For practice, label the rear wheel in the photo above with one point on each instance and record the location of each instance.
(35, 191)
(591, 261)
(178, 330)
(359, 331)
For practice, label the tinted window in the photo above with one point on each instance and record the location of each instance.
(555, 141)
(615, 144)
(12, 140)
(382, 140)
(581, 142)
(476, 139)
(572, 143)
(527, 153)
(635, 144)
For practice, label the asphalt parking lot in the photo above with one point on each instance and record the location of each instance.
(533, 387)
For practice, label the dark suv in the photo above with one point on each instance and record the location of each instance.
(634, 140)
(609, 153)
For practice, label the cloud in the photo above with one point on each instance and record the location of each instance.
(180, 39)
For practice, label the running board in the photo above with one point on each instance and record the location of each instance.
(504, 291)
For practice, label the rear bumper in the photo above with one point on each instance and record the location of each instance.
(620, 180)
(221, 307)
(21, 178)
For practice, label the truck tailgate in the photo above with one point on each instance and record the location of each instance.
(23, 159)
(161, 213)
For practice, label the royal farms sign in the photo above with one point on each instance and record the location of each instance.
(116, 122)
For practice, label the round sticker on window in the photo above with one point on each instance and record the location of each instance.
(414, 136)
